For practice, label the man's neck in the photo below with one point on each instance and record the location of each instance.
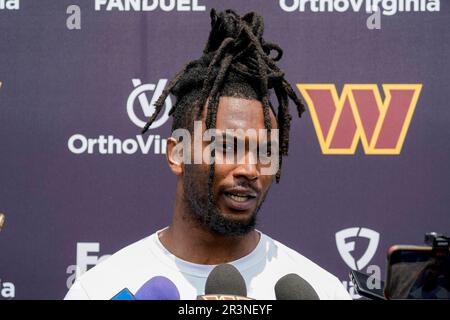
(187, 239)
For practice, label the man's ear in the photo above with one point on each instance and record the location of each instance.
(174, 156)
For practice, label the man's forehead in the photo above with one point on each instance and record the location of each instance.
(241, 113)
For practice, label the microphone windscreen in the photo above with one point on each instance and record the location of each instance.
(225, 279)
(294, 287)
(158, 288)
(124, 294)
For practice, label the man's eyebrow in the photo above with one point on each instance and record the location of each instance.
(228, 136)
(272, 142)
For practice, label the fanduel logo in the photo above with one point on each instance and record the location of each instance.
(149, 5)
(10, 4)
(108, 144)
(346, 247)
(7, 290)
(361, 114)
(87, 255)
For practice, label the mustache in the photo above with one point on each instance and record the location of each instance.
(245, 184)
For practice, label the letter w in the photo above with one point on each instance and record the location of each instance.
(361, 114)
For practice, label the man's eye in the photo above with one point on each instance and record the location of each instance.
(265, 155)
(228, 147)
(264, 152)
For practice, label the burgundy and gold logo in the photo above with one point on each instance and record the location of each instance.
(360, 114)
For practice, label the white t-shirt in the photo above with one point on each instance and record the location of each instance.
(135, 264)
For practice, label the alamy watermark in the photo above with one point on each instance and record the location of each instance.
(229, 146)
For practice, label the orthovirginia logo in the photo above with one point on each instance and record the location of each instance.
(376, 8)
(346, 247)
(147, 108)
(152, 143)
(361, 114)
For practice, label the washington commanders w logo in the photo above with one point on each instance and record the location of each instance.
(361, 114)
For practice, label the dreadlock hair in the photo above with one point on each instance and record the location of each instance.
(236, 62)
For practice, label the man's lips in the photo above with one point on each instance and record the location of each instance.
(240, 198)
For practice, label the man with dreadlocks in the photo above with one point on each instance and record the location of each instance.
(216, 203)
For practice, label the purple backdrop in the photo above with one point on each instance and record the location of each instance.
(66, 76)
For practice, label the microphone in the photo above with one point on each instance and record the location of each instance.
(294, 287)
(158, 288)
(225, 283)
(124, 294)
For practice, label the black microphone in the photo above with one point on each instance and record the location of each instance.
(294, 287)
(225, 283)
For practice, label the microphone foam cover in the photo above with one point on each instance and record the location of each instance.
(294, 287)
(158, 288)
(225, 279)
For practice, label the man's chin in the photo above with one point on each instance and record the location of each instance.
(242, 217)
(232, 224)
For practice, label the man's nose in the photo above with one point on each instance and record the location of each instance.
(248, 168)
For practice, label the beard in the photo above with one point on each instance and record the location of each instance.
(205, 211)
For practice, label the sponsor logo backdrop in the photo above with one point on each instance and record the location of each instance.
(368, 164)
